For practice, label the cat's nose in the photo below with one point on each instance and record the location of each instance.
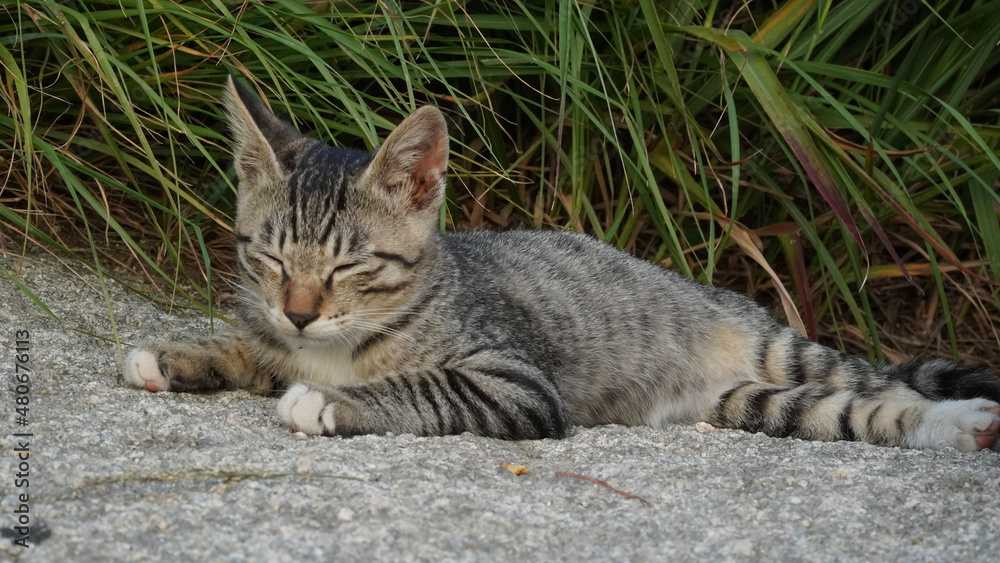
(301, 320)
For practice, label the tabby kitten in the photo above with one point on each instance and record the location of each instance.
(378, 322)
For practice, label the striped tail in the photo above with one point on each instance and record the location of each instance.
(940, 380)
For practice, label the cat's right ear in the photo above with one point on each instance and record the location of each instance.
(412, 163)
(264, 144)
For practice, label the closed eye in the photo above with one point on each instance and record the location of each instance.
(275, 262)
(274, 259)
(341, 269)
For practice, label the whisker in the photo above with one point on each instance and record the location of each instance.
(386, 330)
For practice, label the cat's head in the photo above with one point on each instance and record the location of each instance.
(332, 240)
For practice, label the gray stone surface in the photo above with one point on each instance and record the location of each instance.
(122, 474)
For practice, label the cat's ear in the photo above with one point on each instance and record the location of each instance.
(264, 144)
(414, 159)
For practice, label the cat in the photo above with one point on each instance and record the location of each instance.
(376, 322)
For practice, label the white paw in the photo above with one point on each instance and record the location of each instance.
(305, 410)
(141, 370)
(968, 425)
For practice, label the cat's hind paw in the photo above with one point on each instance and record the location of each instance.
(304, 409)
(142, 369)
(969, 425)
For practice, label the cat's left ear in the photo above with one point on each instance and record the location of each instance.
(414, 159)
(264, 144)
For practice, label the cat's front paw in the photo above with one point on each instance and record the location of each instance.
(969, 425)
(142, 369)
(304, 409)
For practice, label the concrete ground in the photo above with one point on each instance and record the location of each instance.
(118, 474)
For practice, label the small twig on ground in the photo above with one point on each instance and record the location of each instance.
(603, 484)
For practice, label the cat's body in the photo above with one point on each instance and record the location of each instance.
(379, 323)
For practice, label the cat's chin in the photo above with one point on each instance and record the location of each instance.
(317, 334)
(314, 341)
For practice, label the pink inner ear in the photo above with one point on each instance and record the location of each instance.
(428, 171)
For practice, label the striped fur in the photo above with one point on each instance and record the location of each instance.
(376, 322)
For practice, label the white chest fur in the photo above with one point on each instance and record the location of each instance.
(330, 366)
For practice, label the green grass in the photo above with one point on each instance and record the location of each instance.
(846, 151)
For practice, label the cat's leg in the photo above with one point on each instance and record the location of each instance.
(512, 403)
(947, 383)
(814, 392)
(218, 362)
(894, 415)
